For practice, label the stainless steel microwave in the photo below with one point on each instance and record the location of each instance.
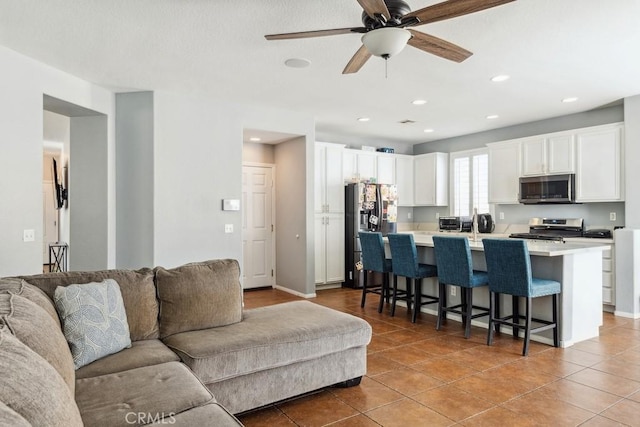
(547, 189)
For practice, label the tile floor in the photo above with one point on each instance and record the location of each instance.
(417, 376)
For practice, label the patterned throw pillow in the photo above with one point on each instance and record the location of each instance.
(94, 320)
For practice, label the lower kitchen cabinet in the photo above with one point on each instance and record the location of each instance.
(329, 248)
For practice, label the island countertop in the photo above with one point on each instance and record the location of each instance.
(537, 247)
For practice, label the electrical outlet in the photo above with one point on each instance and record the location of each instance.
(501, 215)
(228, 228)
(28, 235)
(409, 215)
(454, 291)
(612, 216)
(437, 216)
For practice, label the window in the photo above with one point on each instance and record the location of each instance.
(470, 182)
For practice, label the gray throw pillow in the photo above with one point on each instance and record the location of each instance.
(94, 320)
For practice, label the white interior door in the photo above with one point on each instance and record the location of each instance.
(257, 226)
(50, 219)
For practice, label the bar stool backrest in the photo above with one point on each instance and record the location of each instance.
(404, 255)
(453, 258)
(373, 256)
(508, 266)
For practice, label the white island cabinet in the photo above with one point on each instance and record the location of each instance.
(578, 268)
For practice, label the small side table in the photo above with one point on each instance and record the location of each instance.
(58, 257)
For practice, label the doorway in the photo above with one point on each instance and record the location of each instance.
(258, 244)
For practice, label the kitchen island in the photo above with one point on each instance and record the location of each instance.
(578, 267)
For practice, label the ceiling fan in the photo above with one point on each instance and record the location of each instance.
(385, 34)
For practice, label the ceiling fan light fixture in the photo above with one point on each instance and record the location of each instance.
(386, 42)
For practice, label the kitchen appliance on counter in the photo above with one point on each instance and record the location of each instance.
(598, 233)
(547, 189)
(368, 207)
(485, 223)
(552, 229)
(455, 223)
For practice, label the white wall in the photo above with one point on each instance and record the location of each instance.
(198, 163)
(23, 83)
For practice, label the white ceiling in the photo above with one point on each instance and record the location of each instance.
(552, 49)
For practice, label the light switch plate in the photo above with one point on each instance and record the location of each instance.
(228, 228)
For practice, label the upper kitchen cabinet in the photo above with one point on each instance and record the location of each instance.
(329, 184)
(504, 172)
(367, 163)
(547, 155)
(350, 165)
(386, 168)
(599, 164)
(431, 179)
(404, 179)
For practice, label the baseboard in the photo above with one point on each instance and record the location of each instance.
(296, 293)
(627, 315)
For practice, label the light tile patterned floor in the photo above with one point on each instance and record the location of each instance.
(418, 376)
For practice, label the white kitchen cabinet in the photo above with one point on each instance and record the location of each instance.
(367, 162)
(608, 277)
(548, 154)
(599, 164)
(404, 179)
(350, 165)
(431, 179)
(329, 248)
(504, 172)
(328, 183)
(386, 168)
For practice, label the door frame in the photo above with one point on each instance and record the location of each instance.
(273, 214)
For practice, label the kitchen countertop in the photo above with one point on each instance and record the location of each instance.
(537, 248)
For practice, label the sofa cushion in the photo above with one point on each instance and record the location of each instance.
(137, 288)
(9, 417)
(141, 353)
(199, 296)
(20, 287)
(212, 414)
(32, 388)
(119, 399)
(94, 321)
(269, 337)
(35, 328)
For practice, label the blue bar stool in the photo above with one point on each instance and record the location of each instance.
(453, 258)
(404, 259)
(509, 268)
(374, 259)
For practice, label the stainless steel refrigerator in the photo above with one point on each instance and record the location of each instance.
(368, 207)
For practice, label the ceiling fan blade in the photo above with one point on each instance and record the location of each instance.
(451, 9)
(357, 61)
(375, 7)
(318, 33)
(439, 47)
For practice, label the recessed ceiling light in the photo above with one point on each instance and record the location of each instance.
(419, 102)
(428, 130)
(363, 119)
(254, 139)
(571, 99)
(500, 78)
(493, 116)
(297, 63)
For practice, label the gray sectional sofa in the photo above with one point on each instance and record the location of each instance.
(195, 358)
